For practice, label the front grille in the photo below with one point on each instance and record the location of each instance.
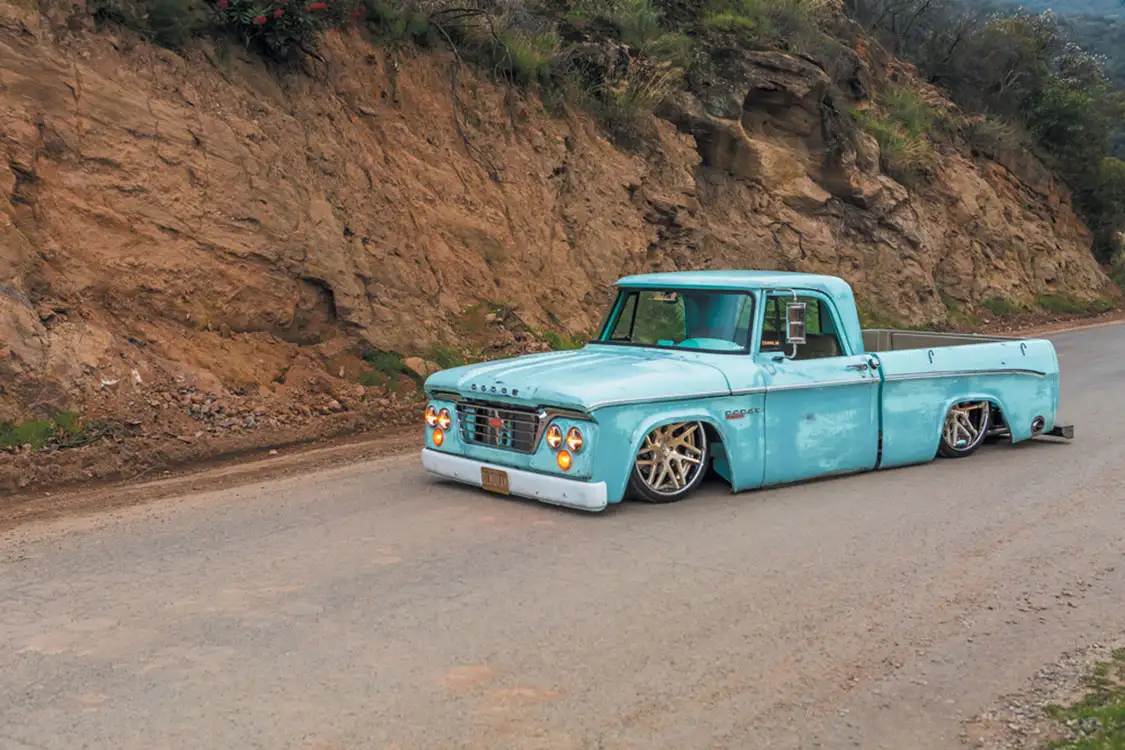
(498, 425)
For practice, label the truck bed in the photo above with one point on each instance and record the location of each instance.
(893, 340)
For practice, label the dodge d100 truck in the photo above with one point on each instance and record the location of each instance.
(766, 378)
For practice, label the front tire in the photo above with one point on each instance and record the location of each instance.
(965, 428)
(670, 463)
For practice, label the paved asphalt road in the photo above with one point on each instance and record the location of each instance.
(373, 607)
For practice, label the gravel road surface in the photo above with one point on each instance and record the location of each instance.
(371, 606)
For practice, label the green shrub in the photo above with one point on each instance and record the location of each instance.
(277, 28)
(901, 126)
(1065, 304)
(524, 58)
(564, 342)
(397, 23)
(625, 105)
(910, 110)
(445, 356)
(1000, 306)
(127, 13)
(993, 135)
(387, 364)
(173, 22)
(733, 22)
(787, 23)
(639, 23)
(641, 26)
(39, 432)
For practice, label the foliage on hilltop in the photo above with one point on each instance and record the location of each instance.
(1036, 86)
(1021, 71)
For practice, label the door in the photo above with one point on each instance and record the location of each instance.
(822, 405)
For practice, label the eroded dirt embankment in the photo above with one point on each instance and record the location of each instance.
(199, 254)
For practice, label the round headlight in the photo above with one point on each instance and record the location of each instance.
(574, 439)
(444, 420)
(554, 436)
(431, 415)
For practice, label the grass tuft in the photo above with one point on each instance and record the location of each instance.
(1097, 720)
(789, 24)
(1001, 307)
(902, 127)
(38, 432)
(387, 364)
(1065, 304)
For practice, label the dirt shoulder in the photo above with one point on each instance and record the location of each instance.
(215, 473)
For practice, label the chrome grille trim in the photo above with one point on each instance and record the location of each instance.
(519, 430)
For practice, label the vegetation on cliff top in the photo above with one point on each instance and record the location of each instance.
(1027, 83)
(1024, 72)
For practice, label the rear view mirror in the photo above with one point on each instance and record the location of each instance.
(795, 322)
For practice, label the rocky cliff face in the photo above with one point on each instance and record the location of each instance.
(201, 223)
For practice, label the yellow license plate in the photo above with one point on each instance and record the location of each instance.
(494, 480)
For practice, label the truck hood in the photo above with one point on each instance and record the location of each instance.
(587, 379)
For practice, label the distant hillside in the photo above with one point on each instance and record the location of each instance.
(1094, 8)
(1098, 26)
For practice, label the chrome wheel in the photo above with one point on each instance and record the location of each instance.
(671, 462)
(965, 427)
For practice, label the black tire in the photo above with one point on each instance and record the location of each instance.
(642, 489)
(979, 414)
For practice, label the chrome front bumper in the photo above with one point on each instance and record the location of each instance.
(571, 493)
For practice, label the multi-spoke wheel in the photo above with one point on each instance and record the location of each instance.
(965, 428)
(670, 463)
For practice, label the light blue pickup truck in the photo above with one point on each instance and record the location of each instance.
(765, 378)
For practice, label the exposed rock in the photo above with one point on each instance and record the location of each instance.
(420, 367)
(252, 232)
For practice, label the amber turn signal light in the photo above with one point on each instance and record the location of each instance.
(438, 437)
(564, 460)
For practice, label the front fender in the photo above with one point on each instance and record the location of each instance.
(623, 430)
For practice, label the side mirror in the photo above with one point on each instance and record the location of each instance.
(795, 322)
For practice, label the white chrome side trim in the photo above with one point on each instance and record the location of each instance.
(658, 399)
(819, 384)
(572, 493)
(963, 374)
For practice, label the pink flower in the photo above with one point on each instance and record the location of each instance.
(317, 6)
(259, 20)
(222, 4)
(278, 13)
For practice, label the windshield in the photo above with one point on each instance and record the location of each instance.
(682, 319)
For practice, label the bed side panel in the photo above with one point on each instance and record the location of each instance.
(920, 385)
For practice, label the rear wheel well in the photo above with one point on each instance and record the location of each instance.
(999, 427)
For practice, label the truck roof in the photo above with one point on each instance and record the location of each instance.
(834, 285)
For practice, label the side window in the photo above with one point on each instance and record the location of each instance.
(821, 339)
(773, 327)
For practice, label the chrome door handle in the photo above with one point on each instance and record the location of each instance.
(858, 367)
